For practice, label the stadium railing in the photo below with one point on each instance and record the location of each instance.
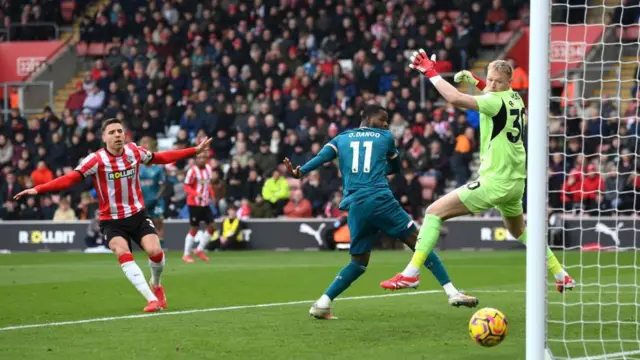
(30, 97)
(40, 24)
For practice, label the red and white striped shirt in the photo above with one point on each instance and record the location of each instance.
(116, 180)
(198, 185)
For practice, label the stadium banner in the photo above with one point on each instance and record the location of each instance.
(264, 234)
(19, 59)
(476, 234)
(310, 234)
(42, 235)
(570, 45)
(605, 233)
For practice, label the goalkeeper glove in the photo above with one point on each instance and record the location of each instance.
(468, 77)
(421, 62)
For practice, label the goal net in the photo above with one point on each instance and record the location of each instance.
(594, 197)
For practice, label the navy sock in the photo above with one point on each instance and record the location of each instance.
(345, 277)
(434, 264)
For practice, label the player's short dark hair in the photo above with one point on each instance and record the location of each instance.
(109, 122)
(371, 112)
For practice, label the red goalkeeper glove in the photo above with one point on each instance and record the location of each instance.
(421, 62)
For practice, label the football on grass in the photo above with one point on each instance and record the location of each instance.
(488, 327)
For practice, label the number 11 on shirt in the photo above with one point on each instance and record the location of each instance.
(368, 147)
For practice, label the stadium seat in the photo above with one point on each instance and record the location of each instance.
(514, 25)
(166, 143)
(108, 47)
(66, 10)
(631, 33)
(489, 39)
(504, 37)
(81, 48)
(96, 49)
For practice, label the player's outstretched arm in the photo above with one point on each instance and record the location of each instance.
(467, 77)
(171, 156)
(61, 183)
(326, 154)
(421, 62)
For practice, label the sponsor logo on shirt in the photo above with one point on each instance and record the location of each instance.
(115, 175)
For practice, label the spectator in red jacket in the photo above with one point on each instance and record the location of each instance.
(592, 184)
(75, 101)
(572, 190)
(298, 206)
(496, 17)
(41, 174)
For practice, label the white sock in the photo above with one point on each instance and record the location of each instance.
(204, 240)
(134, 274)
(411, 271)
(188, 243)
(156, 270)
(450, 289)
(560, 276)
(323, 302)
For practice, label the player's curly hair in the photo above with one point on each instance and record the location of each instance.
(501, 66)
(371, 112)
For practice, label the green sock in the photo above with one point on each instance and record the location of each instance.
(553, 265)
(427, 239)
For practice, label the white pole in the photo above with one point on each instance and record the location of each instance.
(536, 314)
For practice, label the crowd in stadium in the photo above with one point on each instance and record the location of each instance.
(269, 81)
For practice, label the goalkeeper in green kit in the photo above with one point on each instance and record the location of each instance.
(502, 166)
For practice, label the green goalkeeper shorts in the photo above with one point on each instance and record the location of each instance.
(484, 194)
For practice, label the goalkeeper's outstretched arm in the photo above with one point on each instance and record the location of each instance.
(421, 62)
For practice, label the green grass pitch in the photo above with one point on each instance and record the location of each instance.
(66, 287)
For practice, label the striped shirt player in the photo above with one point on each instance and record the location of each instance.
(197, 185)
(114, 170)
(116, 180)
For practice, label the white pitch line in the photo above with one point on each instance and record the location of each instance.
(224, 308)
(237, 307)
